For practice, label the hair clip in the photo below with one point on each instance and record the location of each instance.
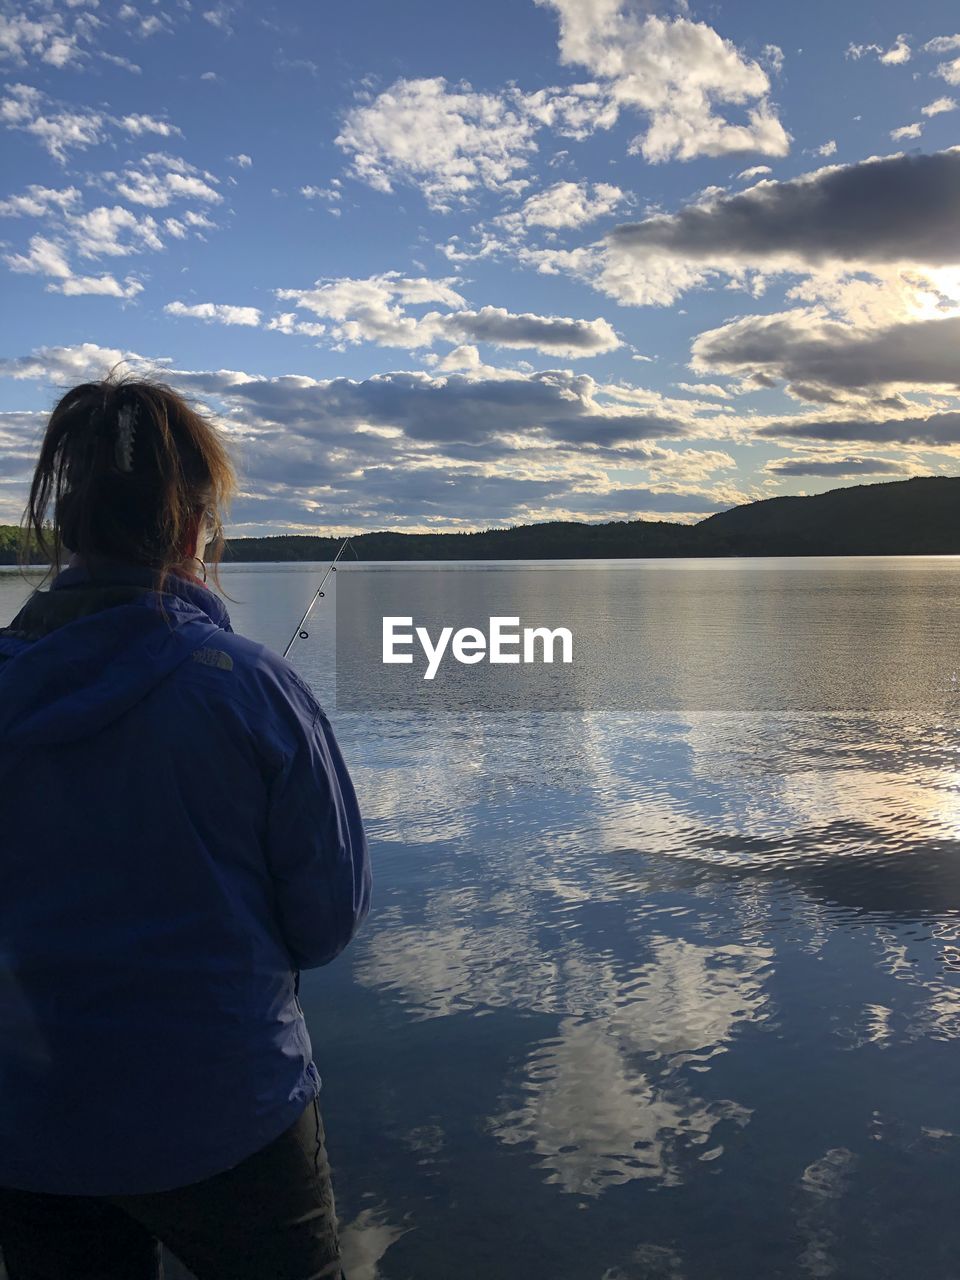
(126, 430)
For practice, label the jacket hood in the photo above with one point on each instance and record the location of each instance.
(78, 656)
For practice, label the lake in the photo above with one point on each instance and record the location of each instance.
(668, 989)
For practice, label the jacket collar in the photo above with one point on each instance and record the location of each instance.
(106, 572)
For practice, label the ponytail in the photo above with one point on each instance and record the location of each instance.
(130, 467)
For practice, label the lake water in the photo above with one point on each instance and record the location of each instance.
(670, 992)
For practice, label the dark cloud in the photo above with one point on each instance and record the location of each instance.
(608, 431)
(810, 392)
(937, 431)
(442, 411)
(441, 491)
(619, 503)
(897, 209)
(307, 435)
(547, 333)
(392, 498)
(814, 356)
(837, 467)
(408, 450)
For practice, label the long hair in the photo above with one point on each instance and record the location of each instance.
(130, 468)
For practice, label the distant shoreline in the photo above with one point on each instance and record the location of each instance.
(913, 517)
(10, 570)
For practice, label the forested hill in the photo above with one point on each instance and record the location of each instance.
(904, 517)
(552, 541)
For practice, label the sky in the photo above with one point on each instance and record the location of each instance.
(435, 265)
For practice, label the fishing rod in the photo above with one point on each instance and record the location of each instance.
(300, 634)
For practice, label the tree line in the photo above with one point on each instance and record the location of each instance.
(920, 516)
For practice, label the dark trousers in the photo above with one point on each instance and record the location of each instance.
(271, 1217)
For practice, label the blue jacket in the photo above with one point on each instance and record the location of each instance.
(178, 837)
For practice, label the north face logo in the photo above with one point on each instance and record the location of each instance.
(213, 658)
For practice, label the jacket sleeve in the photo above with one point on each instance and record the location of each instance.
(317, 849)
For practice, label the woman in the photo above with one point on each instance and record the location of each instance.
(179, 836)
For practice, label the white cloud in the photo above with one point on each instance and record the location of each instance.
(899, 52)
(857, 51)
(19, 105)
(140, 124)
(41, 36)
(939, 106)
(449, 140)
(144, 26)
(566, 204)
(340, 297)
(710, 389)
(242, 161)
(157, 179)
(949, 71)
(219, 17)
(446, 141)
(907, 131)
(22, 108)
(288, 323)
(773, 56)
(574, 112)
(755, 171)
(112, 232)
(375, 310)
(62, 129)
(563, 206)
(331, 193)
(56, 366)
(221, 312)
(118, 60)
(65, 130)
(466, 359)
(18, 36)
(372, 309)
(37, 201)
(826, 148)
(676, 72)
(105, 286)
(193, 218)
(657, 281)
(46, 257)
(488, 245)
